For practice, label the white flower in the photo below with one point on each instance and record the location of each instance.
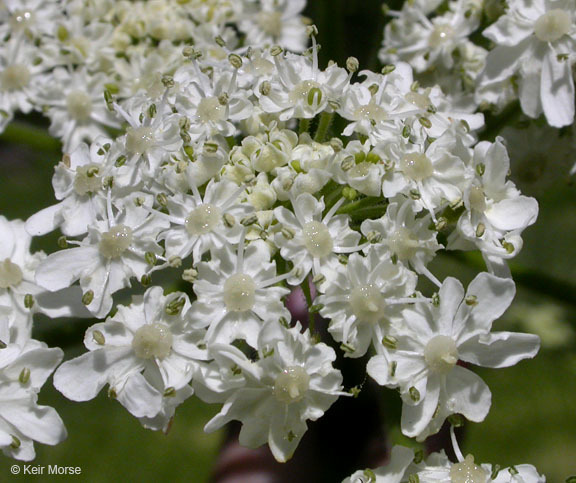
(201, 223)
(146, 352)
(405, 237)
(235, 294)
(300, 89)
(18, 289)
(496, 213)
(536, 40)
(361, 301)
(23, 421)
(424, 43)
(433, 176)
(113, 252)
(310, 241)
(75, 104)
(270, 22)
(422, 361)
(437, 468)
(291, 381)
(210, 105)
(24, 367)
(79, 183)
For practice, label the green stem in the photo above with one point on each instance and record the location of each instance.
(311, 317)
(323, 126)
(368, 202)
(18, 132)
(303, 125)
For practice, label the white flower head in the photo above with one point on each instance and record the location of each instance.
(292, 381)
(146, 352)
(423, 359)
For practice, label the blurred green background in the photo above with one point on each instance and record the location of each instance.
(533, 415)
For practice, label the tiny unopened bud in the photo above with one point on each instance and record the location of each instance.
(336, 144)
(265, 88)
(288, 233)
(415, 194)
(211, 147)
(191, 53)
(347, 348)
(348, 163)
(425, 122)
(355, 392)
(152, 111)
(418, 456)
(190, 275)
(168, 81)
(480, 229)
(223, 99)
(392, 370)
(318, 279)
(311, 30)
(62, 34)
(109, 100)
(220, 41)
(387, 69)
(228, 220)
(249, 220)
(28, 300)
(373, 237)
(150, 258)
(406, 131)
(390, 342)
(189, 150)
(120, 161)
(414, 394)
(349, 193)
(352, 64)
(456, 420)
(175, 306)
(98, 337)
(414, 86)
(480, 169)
(276, 50)
(509, 247)
(146, 280)
(162, 199)
(24, 376)
(170, 392)
(287, 184)
(88, 297)
(441, 223)
(235, 60)
(471, 300)
(16, 443)
(496, 470)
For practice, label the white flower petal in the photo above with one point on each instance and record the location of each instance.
(499, 349)
(467, 394)
(557, 90)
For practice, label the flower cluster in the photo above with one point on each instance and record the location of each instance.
(201, 168)
(407, 466)
(525, 51)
